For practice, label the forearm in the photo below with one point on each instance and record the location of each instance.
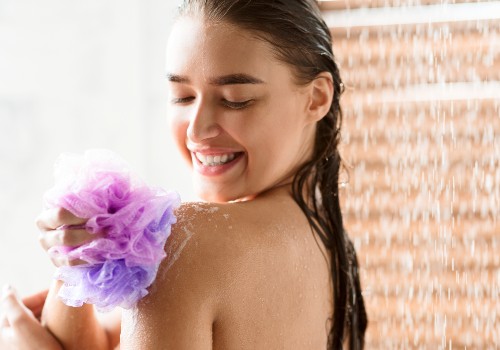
(74, 327)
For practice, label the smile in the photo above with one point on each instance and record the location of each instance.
(215, 164)
(215, 160)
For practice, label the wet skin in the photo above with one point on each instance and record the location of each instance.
(243, 270)
(251, 273)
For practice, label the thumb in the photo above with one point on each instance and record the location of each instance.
(18, 316)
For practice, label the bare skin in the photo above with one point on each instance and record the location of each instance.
(252, 276)
(20, 327)
(239, 275)
(247, 273)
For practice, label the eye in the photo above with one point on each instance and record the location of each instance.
(182, 100)
(236, 105)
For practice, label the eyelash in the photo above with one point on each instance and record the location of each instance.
(182, 100)
(236, 105)
(226, 103)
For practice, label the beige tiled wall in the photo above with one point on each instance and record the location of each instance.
(422, 135)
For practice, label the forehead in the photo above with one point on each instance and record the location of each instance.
(203, 48)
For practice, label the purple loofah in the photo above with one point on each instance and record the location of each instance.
(105, 285)
(135, 221)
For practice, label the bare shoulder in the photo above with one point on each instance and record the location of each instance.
(226, 265)
(179, 310)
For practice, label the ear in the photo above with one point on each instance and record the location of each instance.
(320, 97)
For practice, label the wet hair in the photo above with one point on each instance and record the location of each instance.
(299, 37)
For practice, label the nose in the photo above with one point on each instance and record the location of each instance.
(202, 123)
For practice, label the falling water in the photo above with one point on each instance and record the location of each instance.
(422, 136)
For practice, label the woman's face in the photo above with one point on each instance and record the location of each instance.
(235, 112)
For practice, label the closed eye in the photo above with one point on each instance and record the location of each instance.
(182, 100)
(237, 105)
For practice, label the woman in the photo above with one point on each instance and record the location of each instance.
(254, 109)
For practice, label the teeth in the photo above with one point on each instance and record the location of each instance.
(209, 160)
(201, 157)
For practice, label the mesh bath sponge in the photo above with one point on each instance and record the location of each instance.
(133, 222)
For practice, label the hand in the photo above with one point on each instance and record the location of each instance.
(35, 303)
(20, 327)
(60, 229)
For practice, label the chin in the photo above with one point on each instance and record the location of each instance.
(217, 195)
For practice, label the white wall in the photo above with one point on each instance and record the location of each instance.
(76, 75)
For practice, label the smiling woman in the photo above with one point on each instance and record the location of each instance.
(254, 110)
(231, 98)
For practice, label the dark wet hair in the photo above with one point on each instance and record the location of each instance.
(301, 38)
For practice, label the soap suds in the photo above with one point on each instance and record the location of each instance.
(175, 255)
(201, 209)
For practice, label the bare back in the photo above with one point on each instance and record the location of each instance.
(249, 275)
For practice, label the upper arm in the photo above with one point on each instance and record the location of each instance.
(179, 310)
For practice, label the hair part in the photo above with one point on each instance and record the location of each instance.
(299, 37)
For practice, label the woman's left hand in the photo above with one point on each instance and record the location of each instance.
(20, 327)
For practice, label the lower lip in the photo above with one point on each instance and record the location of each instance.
(216, 169)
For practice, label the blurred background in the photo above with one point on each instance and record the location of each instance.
(421, 135)
(76, 75)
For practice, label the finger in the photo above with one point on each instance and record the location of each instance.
(51, 219)
(4, 323)
(25, 332)
(67, 237)
(18, 316)
(61, 260)
(65, 261)
(77, 262)
(36, 302)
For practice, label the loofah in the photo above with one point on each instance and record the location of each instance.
(133, 222)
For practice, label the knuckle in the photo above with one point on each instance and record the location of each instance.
(66, 238)
(41, 222)
(60, 215)
(43, 241)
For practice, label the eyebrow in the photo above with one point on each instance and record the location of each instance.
(231, 79)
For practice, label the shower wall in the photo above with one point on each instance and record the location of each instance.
(421, 190)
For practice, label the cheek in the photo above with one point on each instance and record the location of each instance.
(178, 130)
(279, 130)
(282, 139)
(266, 144)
